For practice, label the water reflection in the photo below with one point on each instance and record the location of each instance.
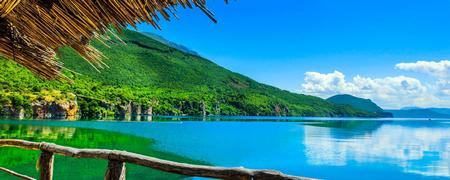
(416, 147)
(24, 161)
(8, 131)
(349, 129)
(328, 149)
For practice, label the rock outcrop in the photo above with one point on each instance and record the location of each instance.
(136, 109)
(10, 110)
(43, 109)
(123, 110)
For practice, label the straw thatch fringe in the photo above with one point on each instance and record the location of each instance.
(7, 6)
(33, 30)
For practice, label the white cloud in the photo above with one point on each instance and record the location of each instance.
(324, 83)
(444, 86)
(389, 92)
(439, 69)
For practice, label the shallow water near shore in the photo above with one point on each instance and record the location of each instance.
(313, 147)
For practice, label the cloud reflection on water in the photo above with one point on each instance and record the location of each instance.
(414, 148)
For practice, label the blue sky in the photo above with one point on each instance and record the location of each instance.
(282, 43)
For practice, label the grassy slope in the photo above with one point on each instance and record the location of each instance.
(145, 70)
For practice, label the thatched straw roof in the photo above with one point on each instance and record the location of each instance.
(31, 31)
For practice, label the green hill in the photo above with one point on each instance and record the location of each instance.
(358, 103)
(148, 77)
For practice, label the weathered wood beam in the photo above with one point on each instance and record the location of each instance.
(155, 163)
(21, 176)
(46, 165)
(116, 170)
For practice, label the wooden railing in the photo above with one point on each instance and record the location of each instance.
(117, 159)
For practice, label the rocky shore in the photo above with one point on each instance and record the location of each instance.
(71, 110)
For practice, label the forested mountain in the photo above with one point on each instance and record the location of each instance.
(359, 103)
(146, 76)
(364, 104)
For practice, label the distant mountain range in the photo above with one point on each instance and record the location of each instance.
(416, 112)
(406, 112)
(359, 103)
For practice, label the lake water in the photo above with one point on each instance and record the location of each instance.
(318, 148)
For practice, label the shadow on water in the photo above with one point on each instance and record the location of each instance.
(349, 129)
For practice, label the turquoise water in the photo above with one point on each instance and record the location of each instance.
(325, 148)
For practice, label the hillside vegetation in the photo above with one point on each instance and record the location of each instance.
(148, 77)
(364, 104)
(358, 103)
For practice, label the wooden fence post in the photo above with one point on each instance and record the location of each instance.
(46, 165)
(116, 170)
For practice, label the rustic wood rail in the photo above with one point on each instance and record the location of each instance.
(117, 159)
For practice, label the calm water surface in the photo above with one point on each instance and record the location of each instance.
(325, 148)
